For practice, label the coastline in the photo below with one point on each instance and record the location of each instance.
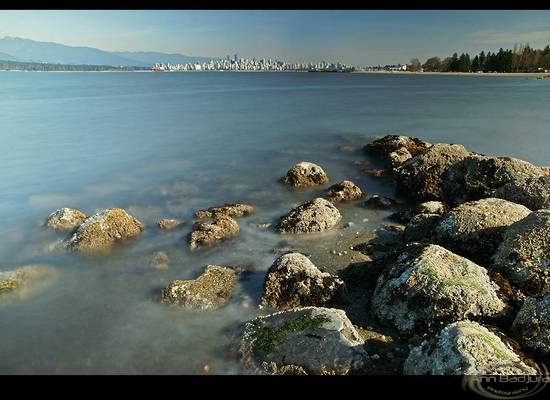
(484, 74)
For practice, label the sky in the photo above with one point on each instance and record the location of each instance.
(351, 37)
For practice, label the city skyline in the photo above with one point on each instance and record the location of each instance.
(350, 37)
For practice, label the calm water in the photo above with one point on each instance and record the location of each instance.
(165, 145)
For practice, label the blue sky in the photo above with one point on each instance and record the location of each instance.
(354, 37)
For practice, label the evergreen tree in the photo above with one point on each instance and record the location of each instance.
(475, 64)
(482, 60)
(454, 63)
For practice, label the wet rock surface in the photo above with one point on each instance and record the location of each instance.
(314, 340)
(294, 281)
(98, 233)
(533, 193)
(428, 285)
(343, 192)
(235, 210)
(532, 324)
(396, 149)
(314, 216)
(523, 256)
(377, 202)
(465, 348)
(475, 229)
(169, 223)
(211, 290)
(21, 282)
(65, 219)
(305, 174)
(206, 234)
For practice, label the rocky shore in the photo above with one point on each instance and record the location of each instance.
(458, 284)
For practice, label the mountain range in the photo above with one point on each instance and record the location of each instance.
(27, 50)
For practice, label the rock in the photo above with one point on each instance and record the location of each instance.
(465, 348)
(159, 260)
(379, 202)
(168, 223)
(477, 176)
(264, 226)
(423, 175)
(317, 340)
(98, 233)
(229, 210)
(396, 149)
(428, 285)
(65, 219)
(293, 281)
(305, 174)
(344, 191)
(346, 149)
(532, 324)
(533, 193)
(523, 256)
(314, 216)
(19, 283)
(377, 172)
(475, 229)
(431, 207)
(206, 234)
(421, 227)
(211, 290)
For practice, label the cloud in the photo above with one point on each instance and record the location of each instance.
(510, 38)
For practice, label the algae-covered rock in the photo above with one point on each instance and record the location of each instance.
(396, 149)
(205, 234)
(465, 348)
(21, 282)
(533, 193)
(65, 219)
(314, 216)
(98, 233)
(344, 191)
(423, 175)
(230, 210)
(305, 174)
(294, 281)
(532, 324)
(211, 290)
(475, 229)
(314, 340)
(477, 176)
(428, 285)
(523, 256)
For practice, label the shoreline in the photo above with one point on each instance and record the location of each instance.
(485, 74)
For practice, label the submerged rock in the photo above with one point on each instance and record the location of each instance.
(314, 216)
(314, 340)
(532, 324)
(168, 223)
(65, 219)
(205, 234)
(18, 283)
(465, 348)
(294, 281)
(211, 290)
(229, 210)
(475, 229)
(428, 285)
(533, 193)
(159, 260)
(344, 191)
(523, 256)
(396, 149)
(423, 175)
(477, 176)
(98, 233)
(305, 174)
(379, 202)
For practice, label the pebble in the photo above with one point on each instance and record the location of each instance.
(375, 357)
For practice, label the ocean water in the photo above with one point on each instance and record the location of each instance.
(166, 145)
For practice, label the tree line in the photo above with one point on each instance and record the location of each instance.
(31, 66)
(522, 58)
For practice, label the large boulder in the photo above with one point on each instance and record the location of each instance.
(19, 283)
(98, 233)
(344, 191)
(524, 254)
(428, 286)
(421, 227)
(475, 229)
(422, 176)
(533, 193)
(532, 324)
(205, 234)
(477, 176)
(396, 149)
(65, 219)
(230, 210)
(211, 290)
(314, 216)
(305, 174)
(294, 281)
(465, 348)
(314, 340)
